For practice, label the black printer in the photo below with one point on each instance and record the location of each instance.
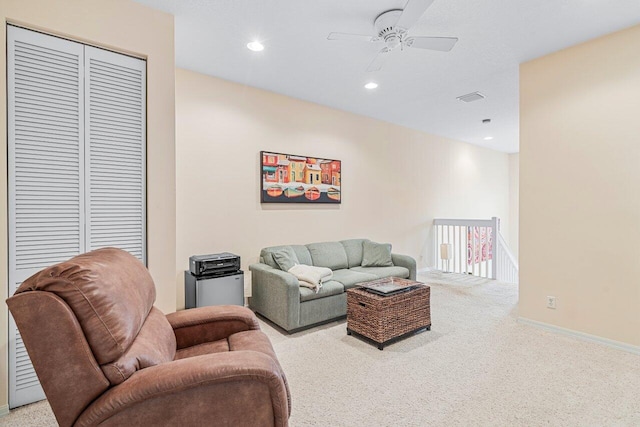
(214, 264)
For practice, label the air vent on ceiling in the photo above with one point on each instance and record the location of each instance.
(470, 97)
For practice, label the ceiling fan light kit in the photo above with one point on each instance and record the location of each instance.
(392, 28)
(384, 25)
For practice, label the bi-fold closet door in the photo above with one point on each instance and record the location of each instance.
(76, 164)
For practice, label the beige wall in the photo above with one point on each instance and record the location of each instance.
(580, 187)
(395, 180)
(514, 202)
(123, 26)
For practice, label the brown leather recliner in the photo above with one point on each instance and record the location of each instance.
(105, 355)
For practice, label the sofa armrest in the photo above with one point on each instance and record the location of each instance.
(276, 295)
(407, 262)
(207, 324)
(234, 388)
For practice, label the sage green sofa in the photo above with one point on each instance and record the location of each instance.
(277, 295)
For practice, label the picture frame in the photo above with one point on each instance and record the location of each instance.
(292, 178)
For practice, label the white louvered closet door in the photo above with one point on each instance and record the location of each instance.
(76, 164)
(46, 187)
(115, 87)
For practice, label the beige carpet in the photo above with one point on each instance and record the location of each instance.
(476, 367)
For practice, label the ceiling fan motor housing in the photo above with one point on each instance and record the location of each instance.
(385, 28)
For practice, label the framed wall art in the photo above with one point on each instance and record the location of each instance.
(288, 178)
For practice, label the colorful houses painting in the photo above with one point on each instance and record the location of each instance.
(269, 167)
(287, 178)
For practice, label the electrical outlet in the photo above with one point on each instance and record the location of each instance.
(551, 302)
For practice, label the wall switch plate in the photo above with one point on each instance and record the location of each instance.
(551, 302)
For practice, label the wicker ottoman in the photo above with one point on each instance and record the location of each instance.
(383, 319)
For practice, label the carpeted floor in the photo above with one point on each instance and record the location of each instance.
(476, 367)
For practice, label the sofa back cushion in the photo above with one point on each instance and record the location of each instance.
(301, 251)
(328, 254)
(285, 258)
(353, 248)
(110, 292)
(376, 254)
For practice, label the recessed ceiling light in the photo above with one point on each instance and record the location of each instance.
(488, 138)
(371, 85)
(255, 46)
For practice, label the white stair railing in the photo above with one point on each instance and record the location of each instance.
(506, 264)
(476, 247)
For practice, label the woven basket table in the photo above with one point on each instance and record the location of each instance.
(383, 319)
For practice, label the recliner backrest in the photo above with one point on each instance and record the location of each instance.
(110, 292)
(103, 303)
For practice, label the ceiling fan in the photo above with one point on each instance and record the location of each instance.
(392, 27)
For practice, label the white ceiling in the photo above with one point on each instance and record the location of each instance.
(417, 88)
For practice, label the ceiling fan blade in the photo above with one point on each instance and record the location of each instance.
(443, 44)
(379, 60)
(351, 37)
(412, 12)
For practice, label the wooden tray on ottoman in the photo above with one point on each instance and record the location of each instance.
(386, 318)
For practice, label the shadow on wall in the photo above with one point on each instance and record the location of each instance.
(297, 207)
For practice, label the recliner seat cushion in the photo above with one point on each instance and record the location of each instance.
(111, 304)
(219, 346)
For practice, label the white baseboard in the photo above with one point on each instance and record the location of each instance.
(581, 335)
(4, 410)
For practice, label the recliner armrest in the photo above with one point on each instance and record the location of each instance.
(207, 324)
(239, 387)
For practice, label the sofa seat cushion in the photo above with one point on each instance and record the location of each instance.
(328, 288)
(380, 272)
(350, 278)
(218, 346)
